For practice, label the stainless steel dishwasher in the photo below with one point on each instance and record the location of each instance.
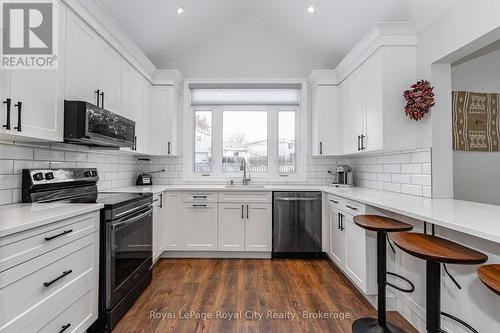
(296, 224)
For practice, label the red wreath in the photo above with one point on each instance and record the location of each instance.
(420, 99)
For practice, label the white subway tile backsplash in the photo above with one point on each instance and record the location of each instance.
(48, 155)
(5, 197)
(12, 152)
(19, 165)
(70, 156)
(8, 182)
(411, 189)
(406, 172)
(6, 167)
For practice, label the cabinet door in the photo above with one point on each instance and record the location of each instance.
(258, 227)
(109, 76)
(172, 232)
(199, 226)
(80, 60)
(147, 137)
(231, 227)
(156, 232)
(373, 90)
(131, 104)
(162, 121)
(355, 259)
(354, 110)
(4, 95)
(337, 249)
(41, 93)
(325, 121)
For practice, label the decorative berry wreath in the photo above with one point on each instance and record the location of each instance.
(420, 100)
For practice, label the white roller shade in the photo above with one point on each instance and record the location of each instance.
(245, 96)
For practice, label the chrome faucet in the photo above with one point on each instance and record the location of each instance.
(243, 167)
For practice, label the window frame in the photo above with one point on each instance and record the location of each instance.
(217, 176)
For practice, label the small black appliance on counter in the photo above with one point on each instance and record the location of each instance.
(146, 178)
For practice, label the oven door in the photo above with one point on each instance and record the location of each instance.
(129, 253)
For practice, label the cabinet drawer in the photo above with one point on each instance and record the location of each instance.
(335, 202)
(38, 285)
(246, 196)
(199, 197)
(353, 208)
(77, 317)
(21, 247)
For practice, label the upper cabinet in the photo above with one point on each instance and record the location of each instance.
(362, 110)
(109, 66)
(32, 99)
(163, 121)
(132, 102)
(326, 131)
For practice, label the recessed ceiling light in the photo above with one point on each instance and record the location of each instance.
(180, 10)
(310, 9)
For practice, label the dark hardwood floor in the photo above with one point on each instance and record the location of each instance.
(220, 287)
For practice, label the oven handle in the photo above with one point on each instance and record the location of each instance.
(131, 211)
(132, 220)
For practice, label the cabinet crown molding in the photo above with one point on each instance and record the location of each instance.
(322, 77)
(171, 77)
(382, 34)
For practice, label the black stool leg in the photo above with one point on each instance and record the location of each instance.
(379, 325)
(433, 297)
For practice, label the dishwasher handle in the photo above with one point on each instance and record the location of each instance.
(297, 199)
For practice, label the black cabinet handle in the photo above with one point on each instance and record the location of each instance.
(335, 202)
(242, 211)
(350, 207)
(247, 212)
(46, 284)
(59, 235)
(8, 101)
(338, 220)
(19, 105)
(102, 99)
(363, 142)
(199, 196)
(321, 148)
(342, 222)
(359, 142)
(135, 143)
(169, 148)
(160, 197)
(98, 94)
(199, 205)
(64, 327)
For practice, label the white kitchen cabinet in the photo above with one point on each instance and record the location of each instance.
(159, 225)
(337, 249)
(231, 227)
(199, 226)
(173, 221)
(108, 77)
(81, 60)
(258, 227)
(355, 251)
(326, 124)
(36, 98)
(373, 104)
(163, 121)
(353, 111)
(132, 102)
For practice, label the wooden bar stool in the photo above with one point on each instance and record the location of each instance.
(436, 251)
(490, 276)
(381, 225)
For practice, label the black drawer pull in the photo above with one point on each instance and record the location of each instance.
(199, 196)
(335, 202)
(199, 205)
(59, 235)
(46, 284)
(353, 208)
(65, 327)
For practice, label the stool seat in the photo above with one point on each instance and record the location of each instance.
(437, 249)
(381, 223)
(490, 276)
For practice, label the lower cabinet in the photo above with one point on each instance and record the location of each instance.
(245, 227)
(199, 226)
(352, 249)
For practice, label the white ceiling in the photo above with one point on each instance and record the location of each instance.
(250, 38)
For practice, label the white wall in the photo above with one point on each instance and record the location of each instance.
(466, 28)
(476, 175)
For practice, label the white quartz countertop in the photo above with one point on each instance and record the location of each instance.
(480, 220)
(19, 217)
(471, 218)
(255, 188)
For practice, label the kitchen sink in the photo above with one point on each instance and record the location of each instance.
(246, 186)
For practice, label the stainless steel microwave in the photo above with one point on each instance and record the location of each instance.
(90, 125)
